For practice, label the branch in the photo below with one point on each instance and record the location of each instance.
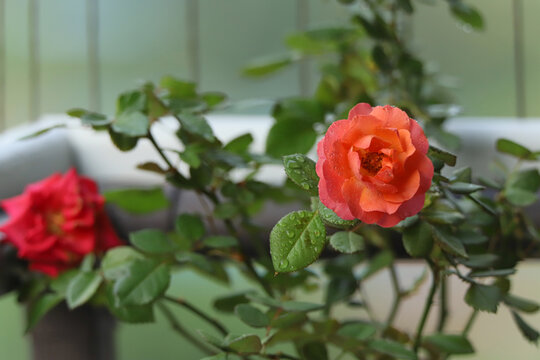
(215, 323)
(427, 307)
(175, 324)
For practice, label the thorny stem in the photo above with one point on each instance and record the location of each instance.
(470, 322)
(215, 323)
(427, 307)
(175, 324)
(247, 260)
(443, 314)
(367, 306)
(208, 212)
(397, 296)
(228, 223)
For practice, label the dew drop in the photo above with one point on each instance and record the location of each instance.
(305, 185)
(283, 264)
(290, 233)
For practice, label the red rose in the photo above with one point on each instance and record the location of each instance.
(373, 166)
(57, 221)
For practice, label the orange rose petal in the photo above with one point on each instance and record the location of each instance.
(392, 117)
(407, 187)
(418, 137)
(373, 200)
(359, 110)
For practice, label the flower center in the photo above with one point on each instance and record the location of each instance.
(372, 162)
(54, 221)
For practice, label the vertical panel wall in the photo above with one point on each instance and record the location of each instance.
(212, 40)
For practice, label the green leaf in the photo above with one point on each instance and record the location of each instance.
(443, 217)
(267, 65)
(82, 287)
(88, 262)
(449, 242)
(445, 156)
(289, 137)
(212, 339)
(60, 284)
(152, 167)
(191, 154)
(462, 175)
(196, 125)
(144, 282)
(197, 260)
(138, 201)
(190, 227)
(406, 5)
(226, 210)
(450, 344)
(347, 242)
(392, 348)
(89, 117)
(297, 240)
(483, 297)
(131, 124)
(178, 88)
(379, 262)
(42, 131)
(220, 241)
(512, 148)
(418, 239)
(39, 308)
(287, 320)
(464, 188)
(381, 58)
(134, 314)
(301, 306)
(227, 303)
(152, 241)
(244, 344)
(521, 187)
(520, 197)
(357, 330)
(301, 170)
(329, 217)
(480, 261)
(131, 101)
(121, 141)
(240, 144)
(213, 98)
(251, 315)
(496, 272)
(314, 350)
(521, 304)
(116, 261)
(526, 330)
(467, 14)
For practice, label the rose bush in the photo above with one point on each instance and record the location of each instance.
(57, 221)
(373, 166)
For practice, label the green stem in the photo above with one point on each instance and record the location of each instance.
(427, 308)
(248, 262)
(470, 322)
(443, 314)
(175, 324)
(164, 157)
(397, 296)
(367, 306)
(215, 323)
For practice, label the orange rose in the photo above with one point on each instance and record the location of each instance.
(373, 166)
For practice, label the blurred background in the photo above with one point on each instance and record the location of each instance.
(60, 54)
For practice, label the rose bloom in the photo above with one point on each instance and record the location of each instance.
(373, 166)
(57, 221)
